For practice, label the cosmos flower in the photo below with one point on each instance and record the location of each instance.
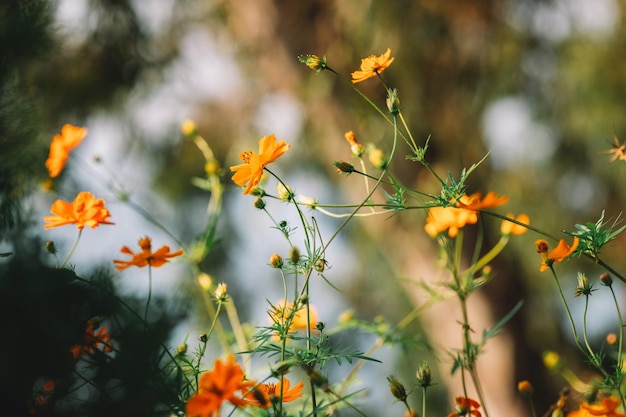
(251, 171)
(69, 138)
(265, 395)
(556, 255)
(85, 210)
(372, 66)
(146, 257)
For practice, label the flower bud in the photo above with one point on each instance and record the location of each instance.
(212, 167)
(393, 102)
(276, 261)
(188, 127)
(221, 292)
(606, 279)
(284, 192)
(294, 255)
(423, 374)
(181, 349)
(396, 388)
(204, 338)
(259, 203)
(525, 388)
(611, 339)
(344, 167)
(205, 281)
(356, 148)
(377, 158)
(552, 361)
(51, 247)
(314, 62)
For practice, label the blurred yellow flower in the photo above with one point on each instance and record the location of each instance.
(251, 171)
(372, 66)
(510, 228)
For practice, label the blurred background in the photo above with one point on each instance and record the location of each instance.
(538, 84)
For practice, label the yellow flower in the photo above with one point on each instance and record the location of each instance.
(372, 66)
(510, 228)
(556, 255)
(251, 170)
(85, 210)
(146, 256)
(453, 219)
(70, 137)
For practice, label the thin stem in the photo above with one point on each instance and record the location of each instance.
(567, 310)
(145, 314)
(67, 258)
(424, 401)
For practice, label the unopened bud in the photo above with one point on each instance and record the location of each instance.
(396, 388)
(294, 255)
(344, 167)
(259, 203)
(51, 247)
(276, 261)
(606, 279)
(424, 377)
(525, 388)
(393, 102)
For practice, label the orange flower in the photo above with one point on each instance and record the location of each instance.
(356, 148)
(92, 341)
(146, 256)
(454, 218)
(372, 66)
(70, 137)
(465, 406)
(266, 394)
(216, 386)
(251, 170)
(510, 228)
(556, 255)
(86, 210)
(607, 409)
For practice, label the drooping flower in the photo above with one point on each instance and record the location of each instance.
(224, 383)
(251, 170)
(510, 228)
(556, 255)
(85, 210)
(453, 219)
(93, 341)
(146, 257)
(265, 395)
(608, 408)
(465, 406)
(372, 66)
(356, 148)
(61, 145)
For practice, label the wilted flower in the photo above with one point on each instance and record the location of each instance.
(356, 148)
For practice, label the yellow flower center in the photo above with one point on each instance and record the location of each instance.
(245, 156)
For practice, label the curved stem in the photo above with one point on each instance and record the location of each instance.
(69, 255)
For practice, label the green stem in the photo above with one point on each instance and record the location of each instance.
(69, 255)
(145, 314)
(424, 401)
(567, 310)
